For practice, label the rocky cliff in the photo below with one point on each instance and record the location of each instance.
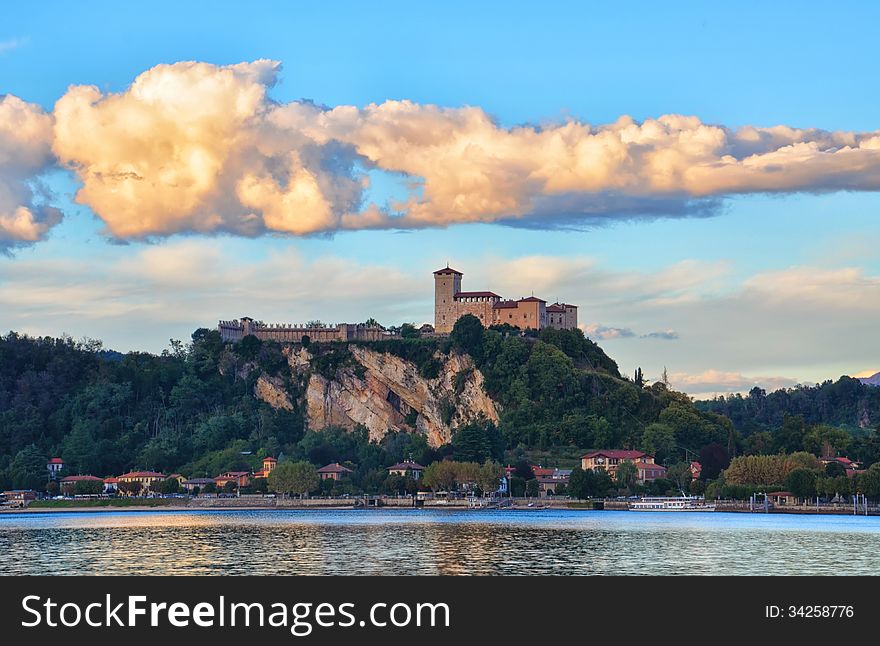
(384, 392)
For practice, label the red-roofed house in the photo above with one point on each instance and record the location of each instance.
(111, 485)
(334, 471)
(609, 460)
(240, 478)
(407, 469)
(146, 479)
(269, 465)
(54, 467)
(696, 470)
(68, 483)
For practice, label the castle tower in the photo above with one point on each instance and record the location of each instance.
(447, 283)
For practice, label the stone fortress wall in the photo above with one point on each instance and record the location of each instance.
(236, 330)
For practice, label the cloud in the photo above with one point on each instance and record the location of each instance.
(667, 335)
(25, 152)
(195, 147)
(601, 332)
(12, 43)
(717, 382)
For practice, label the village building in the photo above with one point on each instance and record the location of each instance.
(451, 303)
(147, 479)
(269, 465)
(407, 469)
(696, 470)
(609, 460)
(197, 483)
(238, 329)
(68, 483)
(239, 478)
(111, 485)
(54, 467)
(334, 471)
(19, 497)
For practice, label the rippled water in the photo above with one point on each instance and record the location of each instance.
(436, 542)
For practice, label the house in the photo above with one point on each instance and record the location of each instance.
(68, 483)
(649, 471)
(548, 483)
(240, 478)
(54, 467)
(407, 469)
(176, 476)
(147, 479)
(269, 465)
(609, 460)
(200, 483)
(696, 470)
(849, 466)
(111, 485)
(19, 497)
(334, 471)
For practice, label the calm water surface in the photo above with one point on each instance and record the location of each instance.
(436, 542)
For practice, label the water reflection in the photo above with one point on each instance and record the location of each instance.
(436, 542)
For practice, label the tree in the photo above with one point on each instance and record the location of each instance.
(28, 469)
(231, 486)
(290, 478)
(477, 441)
(489, 477)
(88, 487)
(169, 486)
(626, 476)
(834, 469)
(306, 340)
(713, 460)
(659, 440)
(826, 440)
(440, 476)
(639, 378)
(679, 474)
(409, 331)
(467, 335)
(869, 482)
(532, 488)
(131, 488)
(801, 482)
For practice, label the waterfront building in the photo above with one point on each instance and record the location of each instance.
(240, 478)
(111, 485)
(68, 483)
(19, 497)
(608, 461)
(269, 465)
(334, 471)
(200, 483)
(407, 469)
(147, 479)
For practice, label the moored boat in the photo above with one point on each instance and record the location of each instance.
(672, 503)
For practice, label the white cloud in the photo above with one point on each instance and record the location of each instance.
(25, 152)
(199, 147)
(596, 331)
(716, 382)
(12, 43)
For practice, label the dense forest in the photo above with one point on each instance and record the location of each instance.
(192, 409)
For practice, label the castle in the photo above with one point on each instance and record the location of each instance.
(450, 303)
(292, 333)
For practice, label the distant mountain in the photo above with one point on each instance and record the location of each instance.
(873, 380)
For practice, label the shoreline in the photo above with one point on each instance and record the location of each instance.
(240, 508)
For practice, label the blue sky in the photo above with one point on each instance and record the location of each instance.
(770, 289)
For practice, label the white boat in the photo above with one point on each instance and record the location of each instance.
(672, 503)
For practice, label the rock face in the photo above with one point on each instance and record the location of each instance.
(271, 390)
(384, 392)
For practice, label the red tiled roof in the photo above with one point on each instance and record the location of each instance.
(556, 309)
(406, 466)
(620, 454)
(476, 295)
(56, 461)
(540, 471)
(269, 460)
(532, 299)
(781, 493)
(504, 305)
(142, 474)
(80, 479)
(448, 270)
(111, 480)
(334, 468)
(649, 465)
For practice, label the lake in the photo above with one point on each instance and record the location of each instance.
(436, 542)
